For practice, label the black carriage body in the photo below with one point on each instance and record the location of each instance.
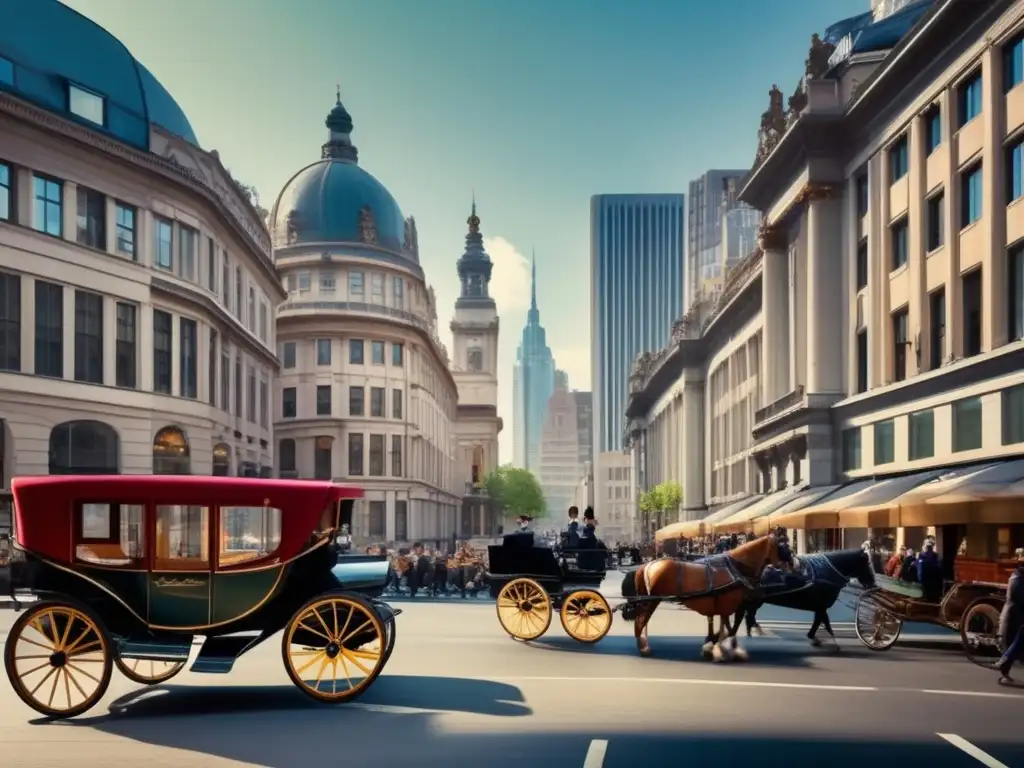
(559, 572)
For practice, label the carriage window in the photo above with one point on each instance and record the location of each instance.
(248, 533)
(182, 538)
(111, 535)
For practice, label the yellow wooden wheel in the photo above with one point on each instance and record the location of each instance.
(524, 609)
(334, 647)
(586, 616)
(58, 659)
(148, 671)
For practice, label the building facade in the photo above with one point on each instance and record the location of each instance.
(533, 382)
(708, 195)
(585, 425)
(136, 281)
(636, 292)
(614, 497)
(559, 466)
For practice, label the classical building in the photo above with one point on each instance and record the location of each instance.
(533, 381)
(614, 497)
(878, 330)
(584, 425)
(559, 466)
(365, 392)
(136, 281)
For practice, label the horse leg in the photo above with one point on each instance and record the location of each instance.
(710, 640)
(753, 628)
(811, 636)
(643, 618)
(828, 628)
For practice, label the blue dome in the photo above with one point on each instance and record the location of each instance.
(50, 46)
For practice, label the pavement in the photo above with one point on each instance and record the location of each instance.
(459, 692)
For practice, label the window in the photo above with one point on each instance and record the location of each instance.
(304, 282)
(322, 458)
(239, 307)
(398, 292)
(862, 360)
(225, 378)
(355, 351)
(164, 256)
(898, 232)
(355, 284)
(162, 343)
(211, 264)
(48, 211)
(475, 359)
(355, 454)
(397, 355)
(971, 297)
(49, 329)
(396, 455)
(182, 538)
(401, 521)
(10, 322)
(1013, 63)
(356, 396)
(937, 317)
(264, 403)
(377, 288)
(922, 435)
(238, 383)
(88, 337)
(86, 104)
(188, 354)
(111, 534)
(862, 195)
(898, 159)
(376, 455)
(288, 402)
(288, 354)
(323, 400)
(327, 282)
(250, 395)
(225, 282)
(323, 351)
(252, 310)
(1015, 285)
(396, 403)
(851, 449)
(970, 195)
(6, 198)
(932, 128)
(1013, 415)
(936, 221)
(1014, 171)
(885, 442)
(211, 373)
(248, 533)
(969, 99)
(967, 424)
(263, 320)
(862, 264)
(377, 519)
(286, 455)
(899, 341)
(125, 237)
(92, 219)
(377, 402)
(377, 351)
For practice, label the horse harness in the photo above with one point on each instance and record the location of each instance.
(712, 564)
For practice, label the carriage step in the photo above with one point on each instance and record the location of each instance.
(147, 651)
(219, 654)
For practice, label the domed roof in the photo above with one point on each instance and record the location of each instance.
(335, 201)
(48, 43)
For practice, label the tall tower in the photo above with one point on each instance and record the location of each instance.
(534, 382)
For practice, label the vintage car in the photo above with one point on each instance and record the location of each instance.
(128, 570)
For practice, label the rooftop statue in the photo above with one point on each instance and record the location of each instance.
(773, 125)
(367, 225)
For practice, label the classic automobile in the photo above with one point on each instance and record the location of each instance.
(128, 570)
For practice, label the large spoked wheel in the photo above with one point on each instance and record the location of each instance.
(391, 630)
(524, 609)
(979, 631)
(58, 658)
(876, 627)
(586, 616)
(334, 647)
(148, 671)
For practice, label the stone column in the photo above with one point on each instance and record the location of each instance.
(693, 446)
(917, 308)
(994, 328)
(824, 363)
(951, 229)
(774, 307)
(880, 332)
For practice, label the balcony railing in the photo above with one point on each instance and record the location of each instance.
(784, 403)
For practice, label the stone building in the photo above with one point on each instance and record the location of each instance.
(559, 465)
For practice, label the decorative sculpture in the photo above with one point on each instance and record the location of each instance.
(413, 237)
(773, 125)
(407, 242)
(816, 64)
(292, 225)
(367, 225)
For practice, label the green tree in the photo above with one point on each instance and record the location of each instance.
(659, 505)
(648, 506)
(516, 491)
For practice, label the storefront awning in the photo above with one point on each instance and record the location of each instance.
(764, 524)
(743, 521)
(692, 528)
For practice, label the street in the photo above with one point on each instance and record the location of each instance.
(459, 692)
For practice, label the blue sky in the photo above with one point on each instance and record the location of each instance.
(537, 104)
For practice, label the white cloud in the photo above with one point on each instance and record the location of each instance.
(510, 279)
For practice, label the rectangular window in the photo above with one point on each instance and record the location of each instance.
(288, 403)
(250, 395)
(163, 331)
(86, 104)
(401, 521)
(323, 458)
(969, 99)
(900, 321)
(1013, 63)
(398, 292)
(1015, 285)
(263, 320)
(164, 256)
(288, 354)
(247, 534)
(305, 282)
(88, 337)
(376, 455)
(111, 535)
(922, 435)
(377, 288)
(211, 265)
(397, 355)
(937, 317)
(252, 310)
(10, 322)
(936, 221)
(1013, 415)
(932, 128)
(355, 351)
(48, 210)
(239, 306)
(356, 398)
(355, 454)
(323, 400)
(851, 449)
(377, 351)
(225, 378)
(898, 159)
(1014, 171)
(899, 232)
(377, 402)
(971, 296)
(885, 442)
(125, 215)
(286, 456)
(49, 329)
(92, 219)
(188, 354)
(238, 383)
(396, 455)
(182, 538)
(327, 282)
(967, 424)
(188, 240)
(863, 200)
(355, 284)
(323, 351)
(264, 403)
(211, 373)
(862, 360)
(970, 196)
(862, 264)
(6, 192)
(396, 403)
(377, 519)
(225, 281)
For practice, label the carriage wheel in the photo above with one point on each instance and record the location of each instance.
(876, 627)
(524, 609)
(58, 658)
(391, 629)
(334, 647)
(148, 671)
(979, 631)
(586, 616)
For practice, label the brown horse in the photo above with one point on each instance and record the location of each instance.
(711, 588)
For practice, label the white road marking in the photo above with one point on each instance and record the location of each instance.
(685, 681)
(965, 746)
(595, 754)
(980, 694)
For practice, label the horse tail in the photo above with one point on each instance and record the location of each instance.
(633, 585)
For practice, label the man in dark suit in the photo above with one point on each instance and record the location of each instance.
(572, 530)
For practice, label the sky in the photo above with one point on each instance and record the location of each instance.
(534, 104)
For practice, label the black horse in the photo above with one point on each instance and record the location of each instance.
(814, 589)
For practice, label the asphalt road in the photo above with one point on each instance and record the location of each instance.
(459, 692)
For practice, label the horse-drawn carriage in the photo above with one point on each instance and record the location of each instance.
(127, 570)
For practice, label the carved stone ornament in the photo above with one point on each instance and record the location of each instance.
(292, 225)
(773, 125)
(367, 226)
(413, 237)
(407, 242)
(818, 191)
(771, 238)
(820, 52)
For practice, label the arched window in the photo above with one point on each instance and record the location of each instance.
(221, 460)
(478, 464)
(171, 454)
(286, 455)
(84, 448)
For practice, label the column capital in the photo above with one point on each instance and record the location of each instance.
(818, 191)
(771, 238)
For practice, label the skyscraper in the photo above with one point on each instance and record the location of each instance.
(532, 384)
(704, 228)
(636, 293)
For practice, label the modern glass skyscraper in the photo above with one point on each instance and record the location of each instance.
(704, 228)
(636, 293)
(533, 382)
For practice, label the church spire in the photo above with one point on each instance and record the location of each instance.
(474, 265)
(534, 315)
(339, 144)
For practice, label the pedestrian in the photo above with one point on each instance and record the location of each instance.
(1011, 622)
